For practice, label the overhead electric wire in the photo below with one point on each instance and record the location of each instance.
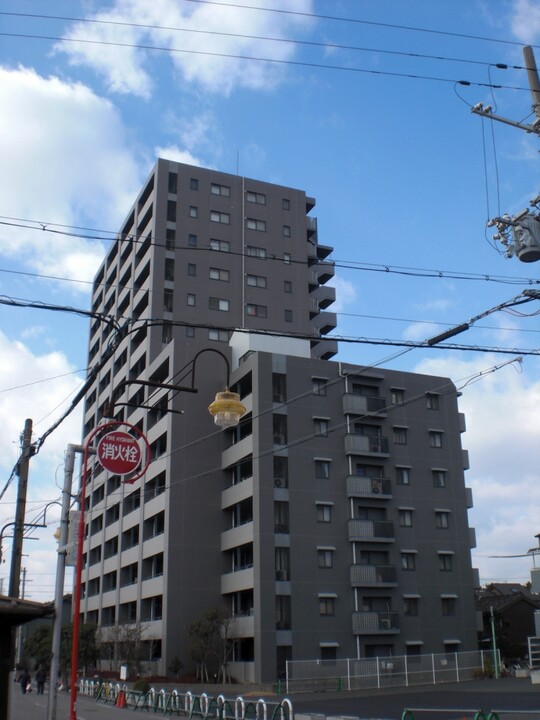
(277, 61)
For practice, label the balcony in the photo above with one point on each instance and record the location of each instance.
(373, 576)
(364, 405)
(237, 581)
(322, 273)
(237, 536)
(365, 445)
(322, 297)
(375, 623)
(371, 531)
(324, 349)
(373, 487)
(324, 322)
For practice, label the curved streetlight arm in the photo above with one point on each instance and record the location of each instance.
(218, 352)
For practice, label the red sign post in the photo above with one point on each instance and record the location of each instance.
(119, 452)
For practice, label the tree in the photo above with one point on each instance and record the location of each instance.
(210, 640)
(38, 645)
(122, 644)
(175, 666)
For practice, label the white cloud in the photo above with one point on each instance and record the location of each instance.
(176, 154)
(345, 294)
(188, 31)
(525, 20)
(65, 160)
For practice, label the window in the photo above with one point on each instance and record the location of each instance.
(168, 298)
(219, 274)
(286, 231)
(283, 612)
(193, 184)
(279, 387)
(169, 269)
(445, 562)
(324, 513)
(192, 269)
(442, 519)
(410, 606)
(223, 190)
(327, 605)
(220, 245)
(221, 335)
(286, 204)
(171, 211)
(192, 240)
(253, 224)
(405, 518)
(408, 561)
(256, 281)
(257, 252)
(190, 331)
(191, 299)
(287, 258)
(287, 286)
(281, 471)
(282, 564)
(448, 606)
(281, 517)
(173, 183)
(279, 429)
(439, 478)
(170, 239)
(400, 436)
(325, 557)
(288, 316)
(432, 401)
(322, 469)
(320, 426)
(218, 304)
(254, 197)
(220, 217)
(166, 333)
(397, 396)
(403, 476)
(319, 386)
(435, 439)
(193, 211)
(256, 310)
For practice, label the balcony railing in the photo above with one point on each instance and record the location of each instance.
(365, 445)
(375, 623)
(371, 530)
(362, 404)
(373, 575)
(360, 486)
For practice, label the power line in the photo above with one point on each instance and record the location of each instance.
(277, 61)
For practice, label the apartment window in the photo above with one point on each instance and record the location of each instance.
(253, 224)
(281, 517)
(432, 401)
(279, 387)
(410, 606)
(256, 281)
(405, 517)
(223, 190)
(258, 252)
(219, 274)
(448, 606)
(286, 231)
(442, 519)
(287, 258)
(283, 612)
(169, 269)
(193, 211)
(190, 331)
(220, 245)
(327, 605)
(192, 270)
(283, 562)
(324, 513)
(320, 426)
(439, 478)
(435, 439)
(166, 333)
(445, 562)
(218, 304)
(256, 310)
(408, 561)
(168, 298)
(319, 386)
(403, 476)
(193, 184)
(173, 183)
(192, 240)
(254, 197)
(322, 469)
(191, 299)
(325, 557)
(397, 396)
(400, 436)
(281, 471)
(220, 217)
(171, 211)
(288, 316)
(287, 286)
(279, 429)
(286, 204)
(170, 239)
(220, 335)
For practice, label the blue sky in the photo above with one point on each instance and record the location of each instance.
(360, 108)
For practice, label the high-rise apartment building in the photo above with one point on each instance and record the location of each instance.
(332, 522)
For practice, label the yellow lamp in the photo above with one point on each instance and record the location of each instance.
(227, 409)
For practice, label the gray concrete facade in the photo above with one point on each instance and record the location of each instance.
(333, 521)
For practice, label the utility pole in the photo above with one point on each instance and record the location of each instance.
(20, 510)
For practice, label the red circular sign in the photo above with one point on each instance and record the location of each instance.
(119, 452)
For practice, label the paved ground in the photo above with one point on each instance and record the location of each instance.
(513, 699)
